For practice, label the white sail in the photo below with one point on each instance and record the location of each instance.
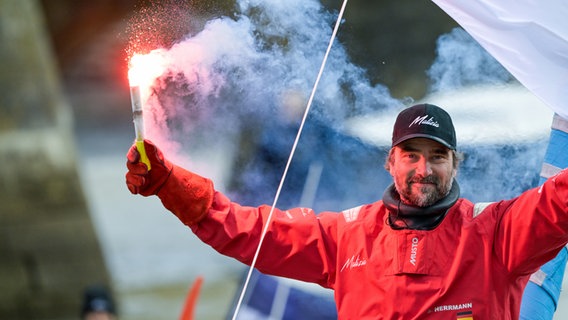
(528, 37)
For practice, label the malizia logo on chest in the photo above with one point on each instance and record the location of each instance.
(353, 262)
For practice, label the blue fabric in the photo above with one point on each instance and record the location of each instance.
(539, 302)
(556, 154)
(300, 303)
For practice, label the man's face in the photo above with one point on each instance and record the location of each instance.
(423, 171)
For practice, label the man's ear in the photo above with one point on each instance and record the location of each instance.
(389, 163)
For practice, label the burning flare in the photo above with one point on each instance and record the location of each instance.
(145, 68)
(142, 71)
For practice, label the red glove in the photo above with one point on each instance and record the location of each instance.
(186, 194)
(141, 181)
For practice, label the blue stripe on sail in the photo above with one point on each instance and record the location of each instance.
(556, 154)
(540, 301)
(299, 303)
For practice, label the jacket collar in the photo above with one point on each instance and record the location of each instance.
(403, 216)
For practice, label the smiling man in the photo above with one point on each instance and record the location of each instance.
(419, 252)
(424, 171)
(423, 163)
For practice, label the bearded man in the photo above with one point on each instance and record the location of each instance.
(419, 252)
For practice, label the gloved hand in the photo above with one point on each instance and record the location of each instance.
(141, 181)
(186, 194)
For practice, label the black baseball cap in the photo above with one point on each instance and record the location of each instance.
(424, 121)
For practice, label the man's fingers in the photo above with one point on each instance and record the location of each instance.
(138, 168)
(132, 188)
(134, 182)
(133, 155)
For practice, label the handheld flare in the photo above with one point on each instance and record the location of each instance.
(143, 70)
(138, 119)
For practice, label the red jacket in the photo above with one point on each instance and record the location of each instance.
(474, 265)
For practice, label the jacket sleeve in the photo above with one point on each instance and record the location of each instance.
(298, 244)
(533, 228)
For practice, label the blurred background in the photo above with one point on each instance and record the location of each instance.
(67, 220)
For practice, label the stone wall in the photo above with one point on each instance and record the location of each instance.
(48, 248)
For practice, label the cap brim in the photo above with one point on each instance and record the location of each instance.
(423, 135)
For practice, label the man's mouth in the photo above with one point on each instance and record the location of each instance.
(421, 186)
(424, 181)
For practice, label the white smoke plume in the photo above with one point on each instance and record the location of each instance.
(245, 80)
(255, 69)
(461, 61)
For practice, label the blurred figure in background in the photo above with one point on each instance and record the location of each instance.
(98, 304)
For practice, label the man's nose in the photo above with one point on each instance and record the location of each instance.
(423, 167)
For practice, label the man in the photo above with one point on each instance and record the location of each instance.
(420, 252)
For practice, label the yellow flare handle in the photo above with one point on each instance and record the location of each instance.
(143, 157)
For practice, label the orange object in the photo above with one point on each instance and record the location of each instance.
(191, 300)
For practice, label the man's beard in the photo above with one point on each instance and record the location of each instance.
(426, 197)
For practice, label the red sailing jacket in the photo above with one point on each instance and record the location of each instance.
(474, 265)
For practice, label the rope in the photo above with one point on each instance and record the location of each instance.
(294, 146)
